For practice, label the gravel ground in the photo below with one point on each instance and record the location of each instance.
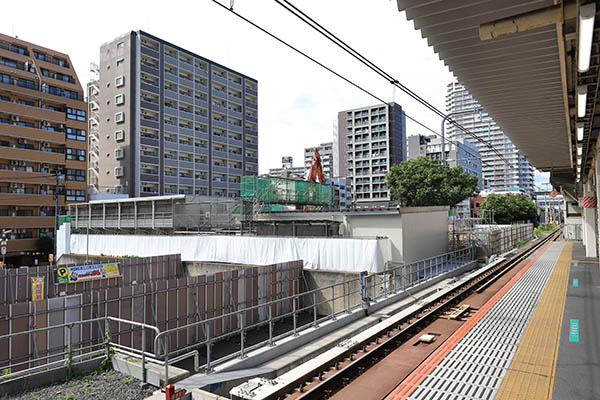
(96, 386)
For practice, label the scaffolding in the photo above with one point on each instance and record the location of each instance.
(286, 191)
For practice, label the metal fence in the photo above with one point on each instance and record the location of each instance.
(303, 310)
(15, 283)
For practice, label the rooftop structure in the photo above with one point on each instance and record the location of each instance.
(287, 170)
(286, 191)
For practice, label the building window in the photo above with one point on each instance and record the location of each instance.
(120, 61)
(120, 44)
(119, 81)
(79, 115)
(119, 153)
(75, 154)
(119, 100)
(120, 117)
(76, 134)
(75, 195)
(75, 175)
(119, 171)
(119, 135)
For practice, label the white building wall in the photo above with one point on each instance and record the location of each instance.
(425, 232)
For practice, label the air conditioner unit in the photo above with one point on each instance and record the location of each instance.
(44, 165)
(14, 185)
(14, 162)
(46, 123)
(22, 163)
(21, 186)
(14, 118)
(22, 141)
(45, 144)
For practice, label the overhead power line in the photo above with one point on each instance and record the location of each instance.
(334, 72)
(348, 49)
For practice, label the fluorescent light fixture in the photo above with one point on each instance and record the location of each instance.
(580, 131)
(578, 161)
(579, 151)
(581, 100)
(587, 13)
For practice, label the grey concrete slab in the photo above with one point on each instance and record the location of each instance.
(578, 364)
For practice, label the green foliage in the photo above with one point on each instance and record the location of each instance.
(425, 182)
(543, 229)
(511, 208)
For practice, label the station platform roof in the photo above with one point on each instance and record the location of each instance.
(518, 58)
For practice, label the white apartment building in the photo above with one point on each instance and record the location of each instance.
(371, 140)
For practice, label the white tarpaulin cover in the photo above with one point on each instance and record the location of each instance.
(340, 254)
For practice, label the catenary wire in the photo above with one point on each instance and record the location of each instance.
(340, 43)
(333, 72)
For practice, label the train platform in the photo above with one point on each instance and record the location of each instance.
(536, 338)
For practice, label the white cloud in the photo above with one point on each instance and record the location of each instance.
(297, 99)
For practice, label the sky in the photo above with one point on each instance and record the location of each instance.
(298, 101)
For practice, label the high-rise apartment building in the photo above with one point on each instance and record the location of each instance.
(173, 122)
(500, 175)
(326, 154)
(43, 142)
(371, 140)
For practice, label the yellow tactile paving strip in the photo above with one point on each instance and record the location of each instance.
(532, 370)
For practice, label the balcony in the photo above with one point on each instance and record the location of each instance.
(41, 113)
(26, 222)
(24, 132)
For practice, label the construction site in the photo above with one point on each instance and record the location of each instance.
(272, 291)
(207, 293)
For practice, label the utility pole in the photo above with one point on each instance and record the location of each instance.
(3, 243)
(443, 131)
(57, 173)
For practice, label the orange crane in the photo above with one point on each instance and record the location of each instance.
(315, 173)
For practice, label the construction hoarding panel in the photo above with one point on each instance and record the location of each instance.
(286, 191)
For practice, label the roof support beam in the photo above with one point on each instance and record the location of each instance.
(531, 20)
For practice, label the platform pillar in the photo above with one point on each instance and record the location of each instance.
(589, 222)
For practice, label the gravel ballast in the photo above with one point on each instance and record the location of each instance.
(95, 386)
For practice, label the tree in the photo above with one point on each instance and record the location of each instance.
(425, 182)
(511, 208)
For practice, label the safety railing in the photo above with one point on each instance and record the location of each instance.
(76, 350)
(304, 310)
(325, 303)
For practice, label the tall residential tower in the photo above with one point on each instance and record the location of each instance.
(173, 122)
(371, 140)
(43, 142)
(516, 172)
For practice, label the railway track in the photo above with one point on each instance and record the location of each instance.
(340, 373)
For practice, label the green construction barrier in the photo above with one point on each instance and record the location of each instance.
(286, 191)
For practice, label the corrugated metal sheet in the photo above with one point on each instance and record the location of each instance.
(516, 78)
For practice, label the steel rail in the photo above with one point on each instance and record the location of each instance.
(328, 386)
